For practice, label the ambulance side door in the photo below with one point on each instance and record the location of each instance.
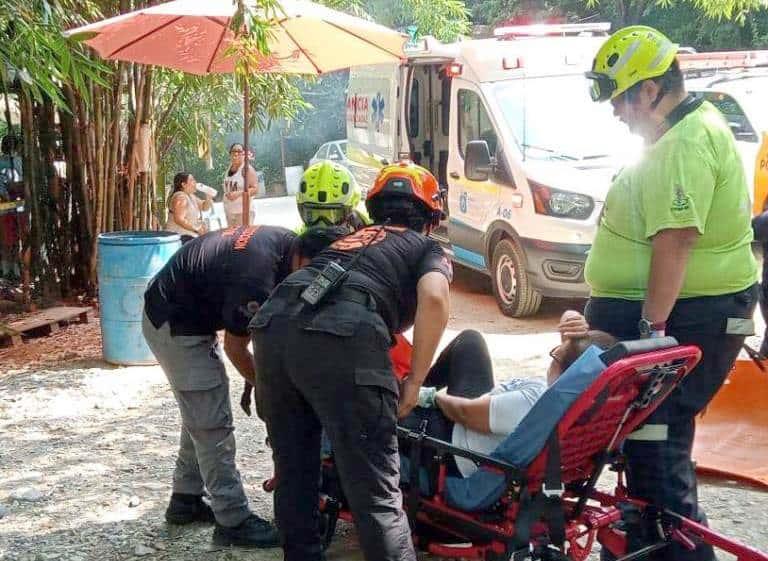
(470, 201)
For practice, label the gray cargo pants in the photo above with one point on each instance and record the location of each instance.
(207, 443)
(331, 368)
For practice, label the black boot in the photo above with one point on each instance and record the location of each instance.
(251, 532)
(185, 509)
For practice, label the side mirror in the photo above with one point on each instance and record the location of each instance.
(478, 163)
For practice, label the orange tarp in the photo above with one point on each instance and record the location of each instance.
(732, 435)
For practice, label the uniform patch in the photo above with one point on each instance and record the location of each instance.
(367, 236)
(682, 200)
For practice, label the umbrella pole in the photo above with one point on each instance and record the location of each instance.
(246, 165)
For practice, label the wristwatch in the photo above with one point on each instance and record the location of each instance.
(648, 329)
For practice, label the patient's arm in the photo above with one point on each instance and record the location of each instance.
(472, 413)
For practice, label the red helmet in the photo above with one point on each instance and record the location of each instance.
(407, 179)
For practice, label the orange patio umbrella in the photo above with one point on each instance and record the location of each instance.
(194, 35)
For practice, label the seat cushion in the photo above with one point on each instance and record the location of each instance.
(483, 488)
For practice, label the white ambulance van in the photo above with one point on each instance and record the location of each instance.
(508, 128)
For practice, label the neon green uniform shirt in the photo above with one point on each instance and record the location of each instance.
(691, 177)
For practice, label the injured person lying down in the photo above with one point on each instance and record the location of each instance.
(466, 407)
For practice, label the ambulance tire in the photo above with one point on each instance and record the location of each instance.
(511, 286)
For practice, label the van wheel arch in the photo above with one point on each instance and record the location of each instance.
(511, 286)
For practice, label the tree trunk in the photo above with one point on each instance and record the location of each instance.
(29, 243)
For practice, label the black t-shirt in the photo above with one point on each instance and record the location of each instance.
(389, 269)
(208, 283)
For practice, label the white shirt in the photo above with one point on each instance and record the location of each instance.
(233, 184)
(510, 402)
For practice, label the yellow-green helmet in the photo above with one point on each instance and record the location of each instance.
(327, 194)
(629, 56)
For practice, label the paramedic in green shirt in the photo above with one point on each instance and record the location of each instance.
(672, 255)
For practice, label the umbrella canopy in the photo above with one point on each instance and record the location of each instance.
(193, 35)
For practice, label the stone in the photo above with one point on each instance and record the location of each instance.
(4, 511)
(27, 494)
(134, 501)
(141, 550)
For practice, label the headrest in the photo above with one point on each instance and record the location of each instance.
(637, 347)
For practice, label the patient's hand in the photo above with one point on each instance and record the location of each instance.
(572, 325)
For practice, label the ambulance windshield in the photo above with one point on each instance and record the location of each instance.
(553, 118)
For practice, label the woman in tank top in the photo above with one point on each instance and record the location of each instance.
(233, 185)
(185, 209)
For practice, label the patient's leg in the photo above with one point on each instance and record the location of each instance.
(464, 367)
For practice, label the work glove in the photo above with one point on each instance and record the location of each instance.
(245, 399)
(427, 397)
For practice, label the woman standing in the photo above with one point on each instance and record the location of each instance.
(185, 209)
(233, 185)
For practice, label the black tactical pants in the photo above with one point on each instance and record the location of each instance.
(330, 368)
(659, 467)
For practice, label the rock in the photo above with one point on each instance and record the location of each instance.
(27, 494)
(4, 511)
(141, 550)
(134, 501)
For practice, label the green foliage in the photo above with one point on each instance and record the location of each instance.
(446, 20)
(36, 56)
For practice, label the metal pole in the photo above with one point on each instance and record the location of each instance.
(246, 165)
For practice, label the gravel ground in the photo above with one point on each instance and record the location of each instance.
(86, 450)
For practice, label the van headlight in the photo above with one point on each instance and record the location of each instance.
(563, 204)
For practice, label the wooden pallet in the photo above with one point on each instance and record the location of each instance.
(45, 322)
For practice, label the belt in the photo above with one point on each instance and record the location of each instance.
(342, 294)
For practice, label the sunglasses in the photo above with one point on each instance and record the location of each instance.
(556, 354)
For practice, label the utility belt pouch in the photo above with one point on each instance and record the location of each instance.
(326, 281)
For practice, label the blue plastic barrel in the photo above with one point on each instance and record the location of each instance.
(127, 262)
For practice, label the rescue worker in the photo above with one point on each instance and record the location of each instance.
(329, 196)
(322, 342)
(327, 199)
(213, 282)
(671, 255)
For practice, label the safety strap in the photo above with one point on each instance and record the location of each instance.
(553, 493)
(547, 504)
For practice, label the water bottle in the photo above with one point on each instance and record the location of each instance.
(206, 190)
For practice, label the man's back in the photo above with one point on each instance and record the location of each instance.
(207, 285)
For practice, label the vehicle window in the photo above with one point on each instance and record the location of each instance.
(733, 113)
(334, 153)
(413, 111)
(474, 123)
(322, 153)
(343, 147)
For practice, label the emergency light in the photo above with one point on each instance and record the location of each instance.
(453, 70)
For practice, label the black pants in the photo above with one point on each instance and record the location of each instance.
(331, 368)
(464, 368)
(659, 468)
(764, 310)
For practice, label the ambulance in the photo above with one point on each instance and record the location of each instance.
(507, 126)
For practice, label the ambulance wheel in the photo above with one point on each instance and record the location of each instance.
(513, 291)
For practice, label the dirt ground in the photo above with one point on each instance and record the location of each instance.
(87, 449)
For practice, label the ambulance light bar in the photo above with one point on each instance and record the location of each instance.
(722, 60)
(601, 28)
